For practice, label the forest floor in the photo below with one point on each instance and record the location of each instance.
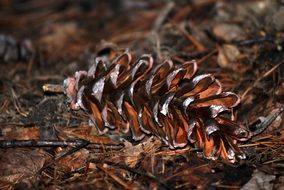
(240, 42)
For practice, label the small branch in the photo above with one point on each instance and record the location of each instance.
(114, 177)
(55, 143)
(267, 121)
(163, 16)
(83, 144)
(78, 143)
(253, 41)
(52, 88)
(267, 73)
(147, 175)
(200, 47)
(41, 143)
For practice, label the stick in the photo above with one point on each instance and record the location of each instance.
(163, 16)
(165, 185)
(267, 121)
(41, 143)
(55, 143)
(53, 88)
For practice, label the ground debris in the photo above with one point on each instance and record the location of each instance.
(134, 153)
(259, 180)
(42, 42)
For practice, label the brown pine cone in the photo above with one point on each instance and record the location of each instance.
(164, 99)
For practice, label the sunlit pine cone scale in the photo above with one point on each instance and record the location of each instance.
(164, 99)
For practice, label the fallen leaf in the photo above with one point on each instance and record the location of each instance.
(134, 153)
(259, 180)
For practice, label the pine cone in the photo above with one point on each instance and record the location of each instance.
(167, 100)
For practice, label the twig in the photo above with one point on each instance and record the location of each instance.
(17, 103)
(181, 57)
(270, 71)
(78, 143)
(157, 44)
(253, 41)
(55, 143)
(148, 175)
(206, 57)
(83, 144)
(129, 36)
(163, 16)
(41, 143)
(191, 38)
(52, 88)
(114, 177)
(268, 120)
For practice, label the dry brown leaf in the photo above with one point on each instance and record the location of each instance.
(85, 132)
(20, 133)
(228, 32)
(19, 165)
(259, 180)
(230, 57)
(72, 162)
(133, 153)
